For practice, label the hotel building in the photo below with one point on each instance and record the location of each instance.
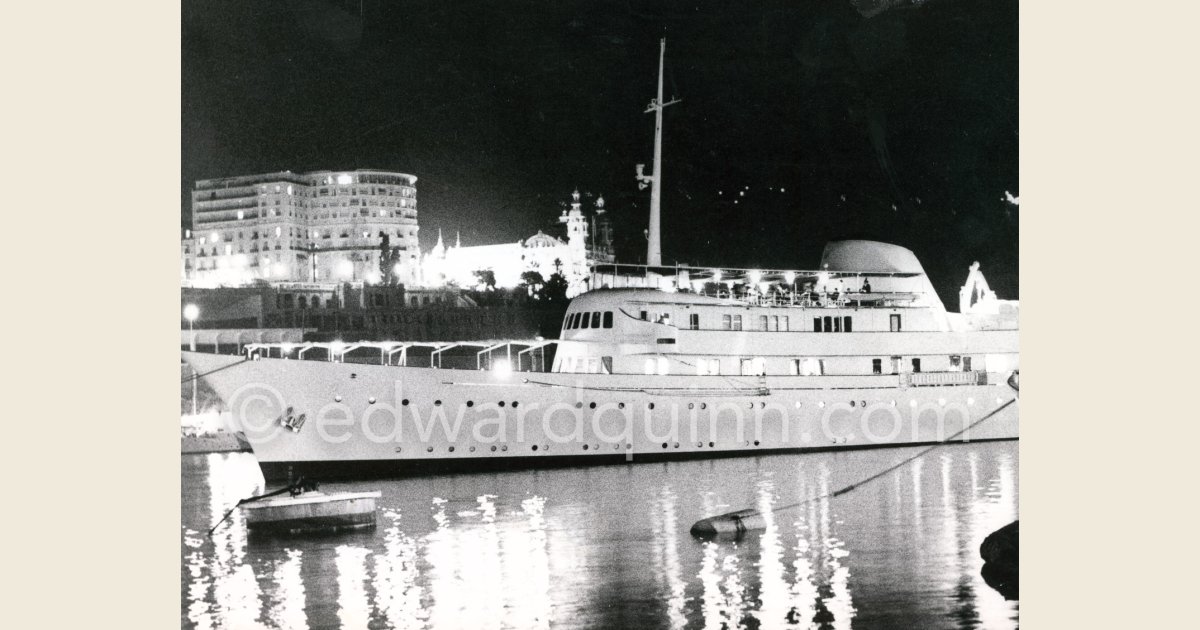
(323, 226)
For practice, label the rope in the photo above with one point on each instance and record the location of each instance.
(300, 486)
(195, 376)
(894, 467)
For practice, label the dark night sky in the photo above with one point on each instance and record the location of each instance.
(502, 107)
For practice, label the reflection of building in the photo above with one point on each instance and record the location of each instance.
(299, 227)
(543, 253)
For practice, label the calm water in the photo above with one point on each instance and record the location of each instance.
(609, 547)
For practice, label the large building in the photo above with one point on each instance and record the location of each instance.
(324, 226)
(588, 241)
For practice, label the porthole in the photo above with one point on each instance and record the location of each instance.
(472, 449)
(451, 449)
(799, 404)
(762, 405)
(545, 447)
(371, 400)
(710, 445)
(756, 442)
(585, 447)
(704, 405)
(620, 405)
(514, 404)
(535, 447)
(616, 446)
(862, 403)
(628, 447)
(751, 404)
(691, 406)
(579, 405)
(664, 445)
(404, 402)
(504, 448)
(677, 445)
(853, 403)
(821, 404)
(428, 449)
(595, 447)
(591, 405)
(437, 403)
(337, 398)
(699, 444)
(912, 403)
(501, 403)
(652, 405)
(970, 401)
(493, 448)
(470, 403)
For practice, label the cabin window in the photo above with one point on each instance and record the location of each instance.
(737, 322)
(727, 322)
(895, 365)
(807, 367)
(877, 366)
(783, 323)
(608, 316)
(828, 324)
(764, 322)
(895, 321)
(657, 366)
(966, 364)
(645, 316)
(596, 319)
(606, 365)
(955, 363)
(694, 321)
(846, 324)
(754, 366)
(837, 324)
(916, 365)
(816, 324)
(587, 320)
(708, 367)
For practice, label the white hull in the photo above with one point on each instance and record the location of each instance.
(453, 419)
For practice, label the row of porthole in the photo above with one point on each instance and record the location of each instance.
(504, 447)
(761, 405)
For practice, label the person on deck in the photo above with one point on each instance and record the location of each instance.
(866, 286)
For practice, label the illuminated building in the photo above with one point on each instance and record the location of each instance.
(323, 226)
(543, 253)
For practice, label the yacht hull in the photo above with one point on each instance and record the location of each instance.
(349, 420)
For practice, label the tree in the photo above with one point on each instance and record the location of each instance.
(532, 281)
(554, 291)
(487, 278)
(389, 257)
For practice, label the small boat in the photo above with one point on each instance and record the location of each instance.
(312, 512)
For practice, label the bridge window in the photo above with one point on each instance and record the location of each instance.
(596, 319)
(608, 321)
(587, 320)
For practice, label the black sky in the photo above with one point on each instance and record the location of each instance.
(900, 127)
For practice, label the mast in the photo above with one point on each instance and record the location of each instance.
(654, 242)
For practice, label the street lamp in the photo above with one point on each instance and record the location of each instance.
(190, 313)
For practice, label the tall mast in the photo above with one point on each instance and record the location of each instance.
(654, 242)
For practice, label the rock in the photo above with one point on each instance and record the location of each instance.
(1001, 555)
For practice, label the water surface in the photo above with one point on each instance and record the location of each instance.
(609, 547)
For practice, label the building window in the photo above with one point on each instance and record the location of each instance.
(895, 322)
(694, 321)
(877, 366)
(916, 365)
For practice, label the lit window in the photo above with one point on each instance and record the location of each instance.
(754, 366)
(649, 366)
(216, 237)
(808, 367)
(241, 215)
(663, 366)
(344, 179)
(708, 367)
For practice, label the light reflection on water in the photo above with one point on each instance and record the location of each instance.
(609, 546)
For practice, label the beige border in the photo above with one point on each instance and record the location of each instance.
(1108, 157)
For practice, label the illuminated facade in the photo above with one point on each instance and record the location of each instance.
(323, 226)
(543, 253)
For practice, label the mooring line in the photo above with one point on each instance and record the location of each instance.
(195, 376)
(894, 467)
